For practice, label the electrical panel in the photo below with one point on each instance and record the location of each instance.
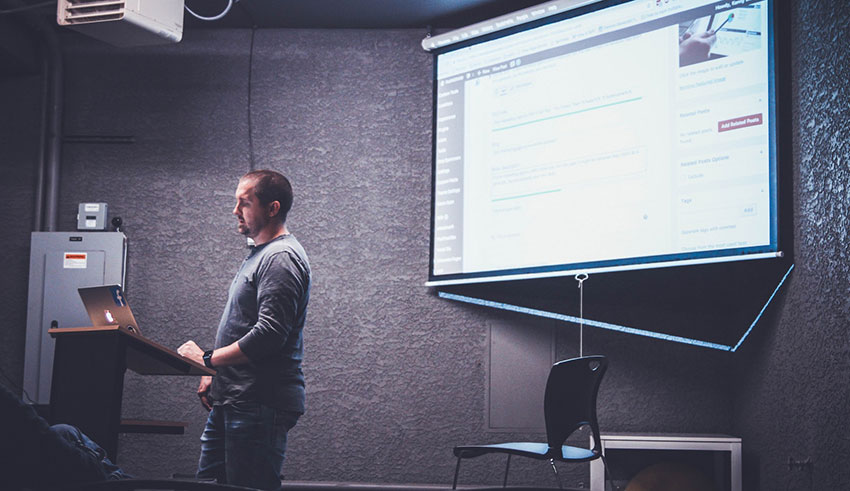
(91, 216)
(61, 262)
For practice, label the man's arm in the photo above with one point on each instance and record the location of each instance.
(278, 292)
(221, 357)
(282, 282)
(228, 355)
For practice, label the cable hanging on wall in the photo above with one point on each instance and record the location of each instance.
(226, 10)
(250, 116)
(215, 17)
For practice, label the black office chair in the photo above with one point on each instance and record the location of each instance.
(568, 404)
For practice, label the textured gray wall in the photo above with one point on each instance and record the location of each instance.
(792, 398)
(396, 376)
(19, 129)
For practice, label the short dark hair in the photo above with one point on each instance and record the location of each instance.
(272, 186)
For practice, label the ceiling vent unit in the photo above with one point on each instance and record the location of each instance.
(124, 22)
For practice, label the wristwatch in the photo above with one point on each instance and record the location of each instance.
(208, 358)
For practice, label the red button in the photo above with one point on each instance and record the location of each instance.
(741, 122)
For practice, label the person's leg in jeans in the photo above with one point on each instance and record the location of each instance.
(255, 444)
(79, 440)
(211, 463)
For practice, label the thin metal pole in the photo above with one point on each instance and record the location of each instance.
(581, 277)
(557, 477)
(38, 212)
(54, 135)
(457, 470)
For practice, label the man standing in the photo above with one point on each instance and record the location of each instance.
(257, 393)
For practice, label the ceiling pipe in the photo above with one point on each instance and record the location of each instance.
(46, 216)
(38, 209)
(56, 104)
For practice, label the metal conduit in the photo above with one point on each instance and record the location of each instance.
(50, 141)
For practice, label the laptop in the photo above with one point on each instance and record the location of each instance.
(107, 306)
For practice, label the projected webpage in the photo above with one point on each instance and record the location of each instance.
(639, 131)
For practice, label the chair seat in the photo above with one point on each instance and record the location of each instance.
(569, 403)
(533, 450)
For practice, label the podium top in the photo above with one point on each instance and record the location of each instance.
(143, 356)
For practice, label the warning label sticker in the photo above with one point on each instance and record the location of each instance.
(75, 260)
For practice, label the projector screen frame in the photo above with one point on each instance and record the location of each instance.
(771, 250)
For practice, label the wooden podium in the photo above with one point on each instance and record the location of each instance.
(88, 380)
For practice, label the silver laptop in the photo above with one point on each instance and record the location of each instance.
(107, 306)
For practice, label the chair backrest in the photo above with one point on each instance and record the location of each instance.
(570, 399)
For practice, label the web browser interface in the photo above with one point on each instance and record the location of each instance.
(637, 133)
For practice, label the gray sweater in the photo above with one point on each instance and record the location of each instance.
(265, 313)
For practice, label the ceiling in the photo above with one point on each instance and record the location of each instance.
(318, 14)
(19, 51)
(351, 14)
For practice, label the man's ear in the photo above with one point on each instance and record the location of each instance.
(274, 208)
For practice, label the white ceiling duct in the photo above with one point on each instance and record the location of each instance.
(124, 22)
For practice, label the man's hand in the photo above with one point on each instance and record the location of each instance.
(191, 351)
(204, 392)
(695, 48)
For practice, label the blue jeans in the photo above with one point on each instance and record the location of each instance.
(244, 444)
(77, 439)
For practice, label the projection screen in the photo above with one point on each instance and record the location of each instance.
(615, 135)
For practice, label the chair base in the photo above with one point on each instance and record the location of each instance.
(508, 466)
